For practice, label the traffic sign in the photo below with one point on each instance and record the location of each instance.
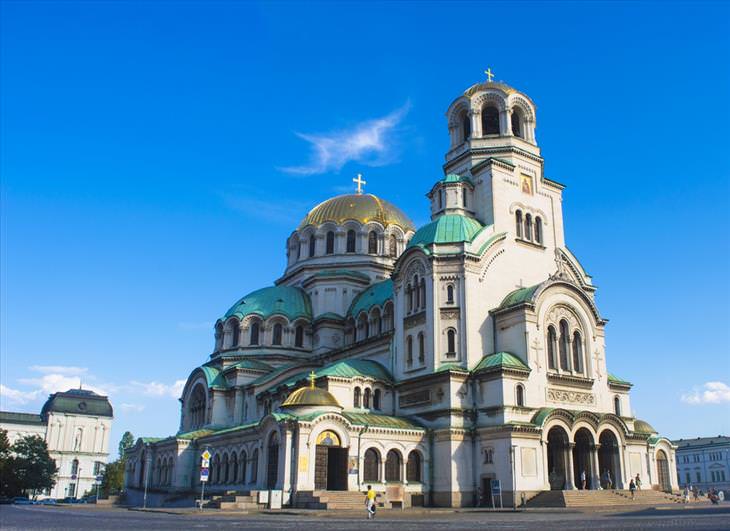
(206, 455)
(204, 473)
(99, 478)
(205, 463)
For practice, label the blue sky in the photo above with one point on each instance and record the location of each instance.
(155, 156)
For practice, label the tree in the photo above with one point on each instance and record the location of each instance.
(8, 480)
(113, 481)
(30, 467)
(126, 442)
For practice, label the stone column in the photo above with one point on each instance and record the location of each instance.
(285, 481)
(545, 467)
(476, 124)
(238, 407)
(505, 126)
(569, 480)
(596, 476)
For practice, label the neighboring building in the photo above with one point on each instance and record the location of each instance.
(75, 425)
(704, 462)
(443, 359)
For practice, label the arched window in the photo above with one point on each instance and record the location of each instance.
(409, 298)
(451, 342)
(421, 348)
(371, 466)
(466, 126)
(373, 242)
(538, 230)
(235, 334)
(276, 340)
(244, 467)
(441, 198)
(393, 246)
(330, 243)
(520, 396)
(299, 248)
(197, 407)
(577, 352)
(255, 466)
(393, 466)
(528, 227)
(299, 336)
(552, 344)
(516, 125)
(518, 223)
(312, 244)
(564, 345)
(350, 241)
(356, 398)
(254, 338)
(490, 120)
(234, 468)
(417, 294)
(463, 197)
(617, 406)
(409, 350)
(423, 293)
(450, 294)
(376, 399)
(74, 467)
(413, 467)
(366, 398)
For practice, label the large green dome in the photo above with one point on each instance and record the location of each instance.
(288, 301)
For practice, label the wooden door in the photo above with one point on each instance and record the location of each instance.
(320, 468)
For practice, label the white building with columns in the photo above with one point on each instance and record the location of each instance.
(444, 358)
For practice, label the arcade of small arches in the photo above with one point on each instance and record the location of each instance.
(373, 323)
(565, 343)
(528, 228)
(367, 398)
(491, 116)
(253, 331)
(394, 469)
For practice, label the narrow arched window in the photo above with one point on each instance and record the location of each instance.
(376, 399)
(299, 249)
(516, 125)
(255, 466)
(451, 342)
(490, 120)
(577, 352)
(417, 292)
(254, 337)
(356, 397)
(350, 241)
(528, 227)
(466, 126)
(276, 340)
(330, 247)
(421, 348)
(299, 336)
(393, 246)
(372, 242)
(409, 298)
(366, 398)
(409, 350)
(413, 467)
(393, 466)
(617, 406)
(312, 244)
(538, 229)
(423, 293)
(235, 334)
(564, 346)
(371, 466)
(518, 223)
(450, 294)
(551, 348)
(441, 198)
(520, 398)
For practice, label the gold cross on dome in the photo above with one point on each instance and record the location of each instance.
(359, 182)
(312, 378)
(490, 76)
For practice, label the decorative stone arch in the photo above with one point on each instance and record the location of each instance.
(332, 422)
(306, 332)
(363, 326)
(616, 424)
(586, 420)
(372, 471)
(516, 101)
(270, 323)
(231, 332)
(375, 316)
(247, 322)
(557, 417)
(388, 316)
(456, 110)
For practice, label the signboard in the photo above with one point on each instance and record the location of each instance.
(99, 478)
(205, 463)
(275, 499)
(496, 487)
(204, 473)
(206, 455)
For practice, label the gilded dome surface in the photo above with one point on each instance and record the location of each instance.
(311, 396)
(359, 207)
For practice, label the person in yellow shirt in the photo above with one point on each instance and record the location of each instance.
(370, 502)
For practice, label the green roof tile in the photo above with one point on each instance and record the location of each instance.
(346, 369)
(449, 228)
(288, 301)
(501, 360)
(78, 401)
(519, 296)
(381, 421)
(454, 178)
(451, 366)
(214, 378)
(375, 295)
(251, 364)
(616, 380)
(329, 315)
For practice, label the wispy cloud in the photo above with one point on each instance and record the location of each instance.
(136, 408)
(15, 396)
(59, 381)
(709, 393)
(371, 143)
(173, 390)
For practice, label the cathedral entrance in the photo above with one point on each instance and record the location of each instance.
(662, 467)
(272, 463)
(582, 463)
(330, 466)
(557, 453)
(609, 461)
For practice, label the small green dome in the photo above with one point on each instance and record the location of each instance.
(377, 294)
(449, 228)
(454, 178)
(288, 301)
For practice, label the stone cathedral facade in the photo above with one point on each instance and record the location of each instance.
(426, 362)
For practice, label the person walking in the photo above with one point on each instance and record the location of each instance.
(370, 502)
(695, 493)
(638, 482)
(686, 494)
(632, 488)
(608, 479)
(583, 480)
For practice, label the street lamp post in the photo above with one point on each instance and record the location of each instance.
(146, 475)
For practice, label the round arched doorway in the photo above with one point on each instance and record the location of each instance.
(557, 457)
(662, 467)
(582, 462)
(330, 465)
(609, 462)
(272, 463)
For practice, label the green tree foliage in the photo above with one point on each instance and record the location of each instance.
(26, 467)
(113, 481)
(126, 442)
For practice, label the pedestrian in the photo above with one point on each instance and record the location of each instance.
(608, 479)
(583, 480)
(632, 488)
(370, 502)
(695, 493)
(686, 494)
(638, 482)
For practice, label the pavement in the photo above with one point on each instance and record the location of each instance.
(90, 517)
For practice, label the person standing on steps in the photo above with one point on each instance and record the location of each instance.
(370, 502)
(638, 482)
(583, 480)
(632, 488)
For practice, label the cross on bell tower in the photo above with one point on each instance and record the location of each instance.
(359, 181)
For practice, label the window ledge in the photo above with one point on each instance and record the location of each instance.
(530, 243)
(571, 380)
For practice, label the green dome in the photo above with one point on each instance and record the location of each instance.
(454, 178)
(376, 294)
(449, 228)
(288, 301)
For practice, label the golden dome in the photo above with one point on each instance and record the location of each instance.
(358, 207)
(311, 396)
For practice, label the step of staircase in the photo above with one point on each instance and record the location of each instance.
(600, 498)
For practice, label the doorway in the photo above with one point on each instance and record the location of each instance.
(582, 458)
(330, 465)
(486, 494)
(662, 466)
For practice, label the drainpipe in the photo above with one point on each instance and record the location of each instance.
(430, 468)
(359, 439)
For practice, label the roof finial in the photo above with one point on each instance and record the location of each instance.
(359, 183)
(312, 378)
(488, 71)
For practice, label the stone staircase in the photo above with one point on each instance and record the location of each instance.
(600, 498)
(235, 501)
(331, 499)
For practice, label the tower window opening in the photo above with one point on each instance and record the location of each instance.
(577, 352)
(409, 351)
(463, 197)
(441, 198)
(490, 120)
(254, 337)
(372, 242)
(520, 398)
(516, 124)
(330, 248)
(551, 348)
(538, 230)
(276, 340)
(312, 243)
(451, 342)
(350, 241)
(528, 227)
(421, 349)
(465, 126)
(393, 246)
(617, 406)
(299, 336)
(450, 294)
(518, 223)
(564, 346)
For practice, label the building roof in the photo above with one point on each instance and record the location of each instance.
(449, 228)
(288, 301)
(311, 396)
(499, 361)
(519, 296)
(701, 442)
(613, 379)
(454, 178)
(250, 364)
(346, 369)
(13, 417)
(641, 426)
(359, 418)
(358, 207)
(375, 295)
(214, 377)
(78, 402)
